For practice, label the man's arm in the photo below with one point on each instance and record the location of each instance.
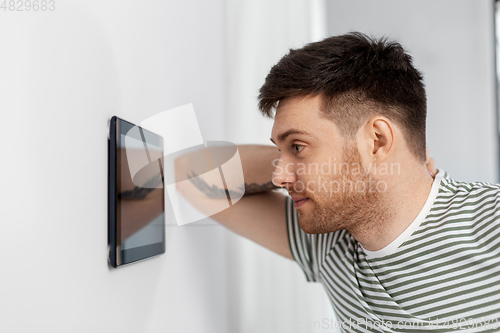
(260, 214)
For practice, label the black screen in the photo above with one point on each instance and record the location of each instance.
(139, 194)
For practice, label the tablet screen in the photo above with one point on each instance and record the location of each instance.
(139, 192)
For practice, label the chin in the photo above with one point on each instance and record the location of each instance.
(312, 225)
(310, 229)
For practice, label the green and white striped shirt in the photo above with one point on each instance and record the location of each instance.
(441, 274)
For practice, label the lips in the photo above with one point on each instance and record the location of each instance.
(299, 201)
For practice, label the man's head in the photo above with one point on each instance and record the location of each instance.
(356, 77)
(334, 99)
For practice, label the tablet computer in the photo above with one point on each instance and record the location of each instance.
(136, 200)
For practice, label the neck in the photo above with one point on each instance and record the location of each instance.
(397, 208)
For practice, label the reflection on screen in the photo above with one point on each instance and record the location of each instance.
(140, 202)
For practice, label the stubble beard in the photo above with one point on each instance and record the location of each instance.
(358, 209)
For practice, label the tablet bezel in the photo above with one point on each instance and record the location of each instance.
(117, 256)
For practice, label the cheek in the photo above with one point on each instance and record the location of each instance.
(316, 187)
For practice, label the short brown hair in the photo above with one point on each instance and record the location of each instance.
(357, 77)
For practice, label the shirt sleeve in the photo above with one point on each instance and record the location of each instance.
(302, 244)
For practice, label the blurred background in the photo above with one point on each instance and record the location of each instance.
(65, 72)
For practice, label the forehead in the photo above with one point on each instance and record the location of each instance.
(302, 114)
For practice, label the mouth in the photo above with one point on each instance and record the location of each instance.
(297, 202)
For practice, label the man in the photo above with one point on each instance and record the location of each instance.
(395, 249)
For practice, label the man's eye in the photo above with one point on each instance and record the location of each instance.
(298, 148)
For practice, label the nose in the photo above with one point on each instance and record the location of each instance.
(284, 174)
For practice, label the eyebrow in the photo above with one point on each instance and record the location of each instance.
(282, 137)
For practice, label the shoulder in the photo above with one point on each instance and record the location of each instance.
(461, 191)
(464, 204)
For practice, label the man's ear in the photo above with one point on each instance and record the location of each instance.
(380, 133)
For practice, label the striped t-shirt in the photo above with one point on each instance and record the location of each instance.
(441, 274)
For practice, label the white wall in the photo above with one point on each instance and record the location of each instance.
(452, 43)
(63, 74)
